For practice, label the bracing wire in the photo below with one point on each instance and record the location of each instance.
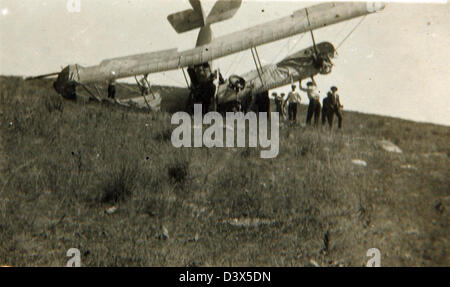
(281, 50)
(353, 30)
(344, 27)
(289, 50)
(235, 61)
(231, 64)
(172, 79)
(296, 44)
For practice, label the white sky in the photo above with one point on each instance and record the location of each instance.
(396, 63)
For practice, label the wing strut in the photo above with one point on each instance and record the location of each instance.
(98, 98)
(88, 91)
(259, 60)
(316, 51)
(150, 87)
(185, 78)
(256, 64)
(143, 93)
(216, 99)
(312, 34)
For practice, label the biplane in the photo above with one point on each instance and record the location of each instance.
(208, 86)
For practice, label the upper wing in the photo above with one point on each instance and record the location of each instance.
(319, 15)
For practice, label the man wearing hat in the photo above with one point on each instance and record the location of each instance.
(293, 100)
(314, 106)
(326, 108)
(284, 106)
(278, 102)
(112, 89)
(334, 107)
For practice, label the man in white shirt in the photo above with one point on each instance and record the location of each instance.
(314, 106)
(293, 99)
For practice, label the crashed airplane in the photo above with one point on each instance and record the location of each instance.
(207, 86)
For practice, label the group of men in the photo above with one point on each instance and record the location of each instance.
(331, 104)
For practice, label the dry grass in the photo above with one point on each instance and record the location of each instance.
(64, 163)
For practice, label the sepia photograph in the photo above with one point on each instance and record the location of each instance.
(224, 133)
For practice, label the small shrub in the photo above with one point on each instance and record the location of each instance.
(178, 171)
(120, 183)
(164, 134)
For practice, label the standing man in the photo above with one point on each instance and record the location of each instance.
(314, 101)
(283, 106)
(335, 107)
(293, 99)
(278, 102)
(143, 86)
(326, 109)
(112, 89)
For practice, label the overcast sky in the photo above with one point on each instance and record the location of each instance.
(396, 63)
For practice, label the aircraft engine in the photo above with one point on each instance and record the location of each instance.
(322, 58)
(236, 83)
(323, 64)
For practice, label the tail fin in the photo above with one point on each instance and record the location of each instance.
(190, 19)
(223, 10)
(186, 20)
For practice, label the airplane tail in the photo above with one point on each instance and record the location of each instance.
(194, 18)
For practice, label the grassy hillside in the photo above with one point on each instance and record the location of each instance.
(107, 180)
